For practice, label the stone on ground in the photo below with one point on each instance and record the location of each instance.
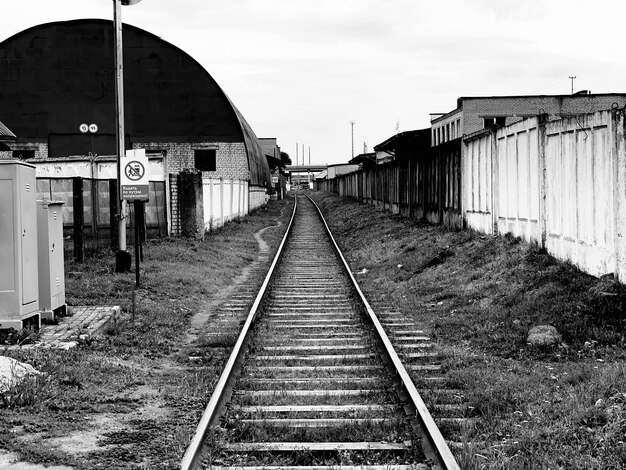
(12, 372)
(543, 335)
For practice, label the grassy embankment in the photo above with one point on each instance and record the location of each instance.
(559, 407)
(132, 399)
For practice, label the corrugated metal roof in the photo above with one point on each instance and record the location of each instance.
(169, 96)
(5, 133)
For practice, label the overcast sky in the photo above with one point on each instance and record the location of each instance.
(301, 70)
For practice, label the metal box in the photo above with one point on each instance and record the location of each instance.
(51, 268)
(19, 286)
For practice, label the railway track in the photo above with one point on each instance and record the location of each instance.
(313, 380)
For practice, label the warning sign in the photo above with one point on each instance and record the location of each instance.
(135, 175)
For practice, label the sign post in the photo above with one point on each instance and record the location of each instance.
(135, 185)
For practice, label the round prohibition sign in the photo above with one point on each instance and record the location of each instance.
(134, 171)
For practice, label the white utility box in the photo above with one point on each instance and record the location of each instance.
(19, 285)
(51, 269)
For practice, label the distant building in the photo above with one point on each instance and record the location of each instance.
(475, 113)
(57, 93)
(403, 145)
(364, 160)
(270, 146)
(340, 169)
(277, 167)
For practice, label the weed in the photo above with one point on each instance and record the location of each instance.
(30, 391)
(11, 336)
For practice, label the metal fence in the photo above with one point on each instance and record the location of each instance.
(427, 187)
(95, 199)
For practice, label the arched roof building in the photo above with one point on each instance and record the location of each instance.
(56, 76)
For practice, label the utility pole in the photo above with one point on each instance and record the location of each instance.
(122, 256)
(572, 79)
(309, 155)
(296, 153)
(352, 126)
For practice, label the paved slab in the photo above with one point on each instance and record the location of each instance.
(84, 322)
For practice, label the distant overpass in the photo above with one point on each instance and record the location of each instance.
(305, 168)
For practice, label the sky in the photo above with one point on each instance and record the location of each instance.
(302, 70)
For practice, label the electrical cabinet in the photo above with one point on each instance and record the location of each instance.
(51, 269)
(19, 286)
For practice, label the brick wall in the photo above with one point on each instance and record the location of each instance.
(231, 158)
(174, 212)
(40, 148)
(474, 109)
(231, 163)
(190, 204)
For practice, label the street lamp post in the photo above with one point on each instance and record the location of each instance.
(122, 256)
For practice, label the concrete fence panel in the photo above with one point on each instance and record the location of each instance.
(224, 200)
(517, 162)
(580, 192)
(561, 184)
(477, 172)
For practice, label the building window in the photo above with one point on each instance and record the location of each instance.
(494, 121)
(23, 154)
(205, 159)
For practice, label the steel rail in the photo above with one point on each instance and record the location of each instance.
(435, 438)
(193, 454)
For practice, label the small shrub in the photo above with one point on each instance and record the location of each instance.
(10, 336)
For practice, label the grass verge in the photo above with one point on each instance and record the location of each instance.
(555, 407)
(131, 398)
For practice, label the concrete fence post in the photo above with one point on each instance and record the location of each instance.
(495, 180)
(222, 218)
(211, 203)
(239, 198)
(78, 207)
(232, 195)
(191, 208)
(409, 189)
(542, 177)
(619, 191)
(397, 192)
